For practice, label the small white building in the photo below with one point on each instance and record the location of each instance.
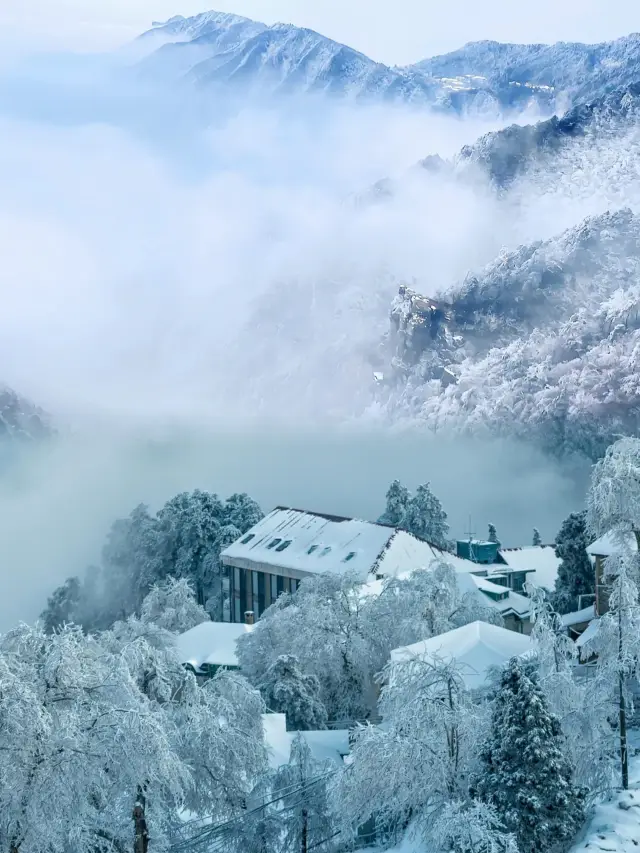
(326, 745)
(477, 650)
(211, 646)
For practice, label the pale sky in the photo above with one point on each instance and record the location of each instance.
(391, 31)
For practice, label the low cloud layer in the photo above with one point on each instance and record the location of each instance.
(206, 284)
(56, 505)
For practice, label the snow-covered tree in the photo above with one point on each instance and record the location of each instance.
(469, 826)
(216, 728)
(419, 762)
(172, 606)
(425, 604)
(183, 541)
(306, 818)
(288, 690)
(613, 503)
(342, 631)
(582, 710)
(525, 775)
(426, 519)
(324, 625)
(62, 605)
(537, 539)
(79, 740)
(617, 643)
(576, 575)
(397, 499)
(242, 512)
(613, 506)
(493, 535)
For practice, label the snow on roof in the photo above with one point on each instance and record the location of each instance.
(612, 543)
(540, 558)
(473, 585)
(476, 649)
(579, 616)
(306, 543)
(405, 553)
(589, 633)
(329, 745)
(211, 643)
(310, 543)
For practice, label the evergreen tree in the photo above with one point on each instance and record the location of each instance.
(62, 605)
(493, 535)
(524, 773)
(397, 500)
(287, 690)
(426, 519)
(575, 574)
(537, 539)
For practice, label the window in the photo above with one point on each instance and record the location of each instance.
(247, 538)
(273, 543)
(326, 551)
(312, 549)
(349, 556)
(284, 545)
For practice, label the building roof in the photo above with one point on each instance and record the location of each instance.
(318, 543)
(612, 543)
(539, 558)
(589, 633)
(579, 616)
(328, 745)
(212, 643)
(313, 543)
(310, 543)
(476, 649)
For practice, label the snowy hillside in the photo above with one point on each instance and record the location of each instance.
(544, 342)
(216, 48)
(576, 72)
(20, 419)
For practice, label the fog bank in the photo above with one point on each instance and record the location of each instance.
(57, 502)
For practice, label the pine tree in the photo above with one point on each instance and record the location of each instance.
(287, 690)
(537, 539)
(397, 500)
(493, 535)
(426, 519)
(525, 774)
(62, 605)
(576, 575)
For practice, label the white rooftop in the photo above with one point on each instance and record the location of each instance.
(212, 643)
(612, 543)
(541, 558)
(306, 543)
(328, 745)
(579, 616)
(476, 649)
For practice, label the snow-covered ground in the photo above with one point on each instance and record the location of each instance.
(613, 828)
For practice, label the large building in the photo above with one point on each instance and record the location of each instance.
(289, 545)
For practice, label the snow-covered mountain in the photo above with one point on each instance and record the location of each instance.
(216, 48)
(520, 151)
(544, 343)
(577, 73)
(21, 419)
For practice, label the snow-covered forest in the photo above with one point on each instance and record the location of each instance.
(248, 239)
(115, 743)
